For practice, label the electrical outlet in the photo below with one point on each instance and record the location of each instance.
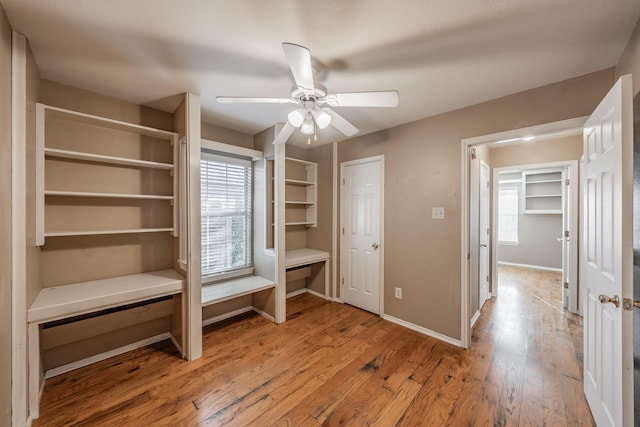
(437, 213)
(399, 293)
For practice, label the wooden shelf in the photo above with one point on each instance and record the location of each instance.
(74, 299)
(543, 195)
(299, 223)
(303, 162)
(106, 195)
(292, 202)
(61, 113)
(298, 182)
(234, 288)
(106, 232)
(99, 158)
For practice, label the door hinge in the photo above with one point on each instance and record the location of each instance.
(472, 151)
(343, 181)
(487, 279)
(468, 256)
(566, 285)
(343, 231)
(343, 280)
(566, 181)
(566, 233)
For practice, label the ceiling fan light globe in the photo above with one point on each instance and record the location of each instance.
(322, 118)
(308, 127)
(296, 117)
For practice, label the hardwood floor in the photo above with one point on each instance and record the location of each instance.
(332, 364)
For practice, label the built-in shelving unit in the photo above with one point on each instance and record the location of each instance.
(300, 192)
(542, 191)
(102, 187)
(69, 168)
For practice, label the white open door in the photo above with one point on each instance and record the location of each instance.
(361, 208)
(483, 235)
(608, 257)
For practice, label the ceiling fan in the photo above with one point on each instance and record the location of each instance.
(314, 100)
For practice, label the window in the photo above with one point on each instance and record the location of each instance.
(508, 215)
(226, 214)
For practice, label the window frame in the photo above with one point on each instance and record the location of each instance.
(515, 187)
(245, 161)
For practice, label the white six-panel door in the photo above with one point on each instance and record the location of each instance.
(608, 257)
(361, 232)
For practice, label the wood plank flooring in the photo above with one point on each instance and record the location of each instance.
(332, 364)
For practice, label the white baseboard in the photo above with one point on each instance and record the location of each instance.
(475, 318)
(422, 330)
(263, 313)
(308, 291)
(296, 293)
(537, 267)
(225, 316)
(102, 356)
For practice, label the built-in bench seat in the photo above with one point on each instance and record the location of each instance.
(222, 291)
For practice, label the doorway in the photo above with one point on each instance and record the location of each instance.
(362, 219)
(536, 222)
(469, 243)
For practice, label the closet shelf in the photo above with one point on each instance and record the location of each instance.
(99, 158)
(309, 223)
(543, 195)
(64, 301)
(543, 181)
(106, 195)
(105, 232)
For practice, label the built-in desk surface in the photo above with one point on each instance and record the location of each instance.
(304, 256)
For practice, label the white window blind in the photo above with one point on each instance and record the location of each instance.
(508, 214)
(226, 213)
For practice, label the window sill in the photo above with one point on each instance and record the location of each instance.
(211, 279)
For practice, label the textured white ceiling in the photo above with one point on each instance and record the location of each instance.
(439, 54)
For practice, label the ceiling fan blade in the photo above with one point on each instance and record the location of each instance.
(249, 100)
(322, 118)
(299, 59)
(284, 134)
(340, 123)
(387, 98)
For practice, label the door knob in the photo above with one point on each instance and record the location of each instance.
(628, 304)
(483, 245)
(375, 246)
(613, 300)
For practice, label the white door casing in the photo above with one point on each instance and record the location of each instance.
(483, 235)
(565, 236)
(361, 220)
(608, 257)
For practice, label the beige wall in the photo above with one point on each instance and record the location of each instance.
(226, 136)
(321, 237)
(5, 219)
(629, 61)
(552, 150)
(422, 170)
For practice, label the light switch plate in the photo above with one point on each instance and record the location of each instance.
(437, 213)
